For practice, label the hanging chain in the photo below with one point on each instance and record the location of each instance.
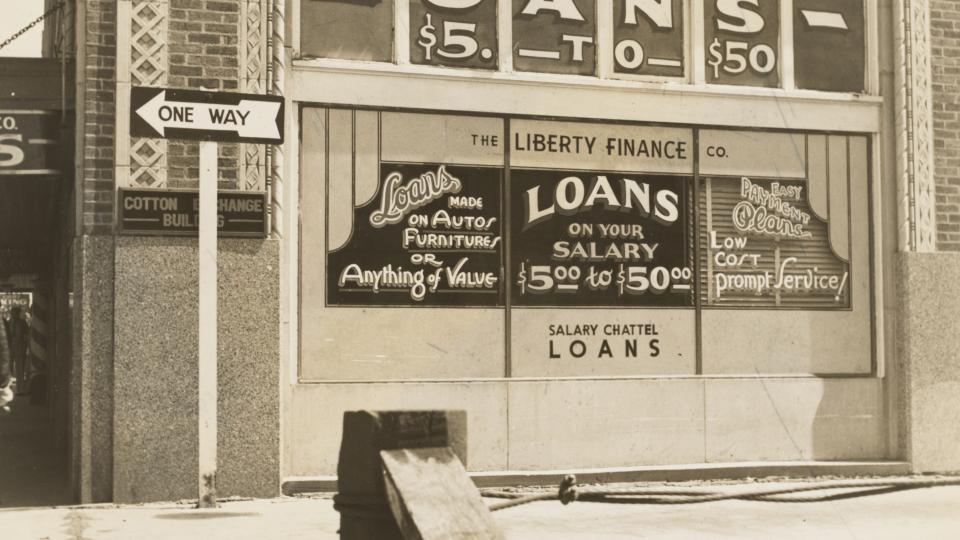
(37, 21)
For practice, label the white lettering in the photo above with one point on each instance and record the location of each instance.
(748, 21)
(454, 4)
(660, 12)
(15, 152)
(567, 9)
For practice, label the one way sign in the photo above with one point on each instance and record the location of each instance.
(213, 116)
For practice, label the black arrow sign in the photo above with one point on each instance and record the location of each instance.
(213, 116)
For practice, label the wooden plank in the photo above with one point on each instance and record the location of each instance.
(360, 482)
(431, 496)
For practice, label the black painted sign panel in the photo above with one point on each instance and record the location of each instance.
(176, 212)
(600, 239)
(28, 142)
(432, 236)
(648, 38)
(742, 42)
(455, 33)
(555, 36)
(347, 29)
(829, 45)
(214, 116)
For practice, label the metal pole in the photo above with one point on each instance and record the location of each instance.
(207, 361)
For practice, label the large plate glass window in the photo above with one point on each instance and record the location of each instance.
(447, 245)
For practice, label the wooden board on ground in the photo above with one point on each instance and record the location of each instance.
(432, 497)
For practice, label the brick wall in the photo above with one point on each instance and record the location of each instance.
(945, 25)
(98, 96)
(203, 53)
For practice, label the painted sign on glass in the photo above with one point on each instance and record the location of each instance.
(600, 239)
(775, 230)
(648, 37)
(597, 218)
(555, 36)
(28, 142)
(582, 248)
(456, 33)
(741, 42)
(420, 233)
(829, 45)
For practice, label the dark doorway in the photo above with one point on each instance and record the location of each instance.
(33, 434)
(36, 228)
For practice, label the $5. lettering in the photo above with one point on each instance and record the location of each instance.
(458, 39)
(450, 39)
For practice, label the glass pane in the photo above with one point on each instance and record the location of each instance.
(555, 36)
(457, 33)
(648, 38)
(402, 245)
(829, 45)
(742, 42)
(347, 29)
(784, 253)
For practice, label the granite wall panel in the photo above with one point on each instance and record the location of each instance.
(155, 424)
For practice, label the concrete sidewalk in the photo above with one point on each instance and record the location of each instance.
(929, 513)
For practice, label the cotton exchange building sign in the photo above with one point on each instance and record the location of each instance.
(548, 248)
(171, 212)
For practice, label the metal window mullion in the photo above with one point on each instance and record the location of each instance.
(872, 26)
(604, 37)
(687, 40)
(786, 45)
(505, 35)
(698, 73)
(875, 185)
(401, 32)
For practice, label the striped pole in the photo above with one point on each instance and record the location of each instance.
(39, 332)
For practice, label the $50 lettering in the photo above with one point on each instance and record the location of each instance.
(732, 56)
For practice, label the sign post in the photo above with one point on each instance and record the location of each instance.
(207, 336)
(209, 117)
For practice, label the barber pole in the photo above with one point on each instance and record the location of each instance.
(39, 332)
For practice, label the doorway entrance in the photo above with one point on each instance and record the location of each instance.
(34, 272)
(36, 229)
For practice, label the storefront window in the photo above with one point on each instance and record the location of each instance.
(543, 248)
